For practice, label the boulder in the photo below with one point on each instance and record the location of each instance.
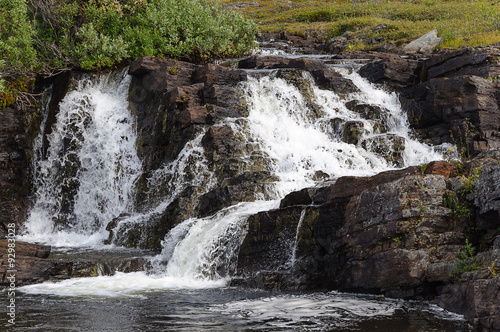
(394, 72)
(337, 45)
(424, 44)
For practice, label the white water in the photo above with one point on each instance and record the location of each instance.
(166, 183)
(317, 310)
(293, 257)
(120, 284)
(300, 143)
(93, 140)
(198, 252)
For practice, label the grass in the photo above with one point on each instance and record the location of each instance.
(460, 23)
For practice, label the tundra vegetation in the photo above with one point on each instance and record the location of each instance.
(459, 22)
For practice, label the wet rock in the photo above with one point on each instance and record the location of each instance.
(300, 80)
(389, 146)
(33, 265)
(18, 129)
(353, 131)
(320, 175)
(424, 44)
(369, 112)
(246, 187)
(269, 242)
(147, 233)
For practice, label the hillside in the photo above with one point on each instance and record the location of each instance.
(461, 23)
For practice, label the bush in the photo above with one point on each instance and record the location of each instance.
(93, 34)
(16, 47)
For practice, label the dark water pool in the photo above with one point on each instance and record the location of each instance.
(225, 309)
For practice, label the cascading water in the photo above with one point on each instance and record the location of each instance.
(298, 128)
(298, 132)
(166, 183)
(86, 177)
(298, 145)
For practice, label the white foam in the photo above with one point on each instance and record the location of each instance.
(120, 284)
(91, 161)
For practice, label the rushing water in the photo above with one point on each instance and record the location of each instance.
(87, 178)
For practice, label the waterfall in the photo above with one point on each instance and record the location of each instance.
(297, 136)
(87, 175)
(306, 136)
(167, 182)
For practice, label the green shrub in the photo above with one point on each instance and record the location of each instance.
(93, 34)
(466, 261)
(16, 47)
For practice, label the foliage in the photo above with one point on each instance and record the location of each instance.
(422, 168)
(466, 261)
(459, 22)
(450, 200)
(102, 33)
(461, 209)
(16, 48)
(48, 36)
(468, 182)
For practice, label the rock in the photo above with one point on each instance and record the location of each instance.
(441, 168)
(147, 233)
(476, 298)
(461, 110)
(298, 79)
(269, 242)
(353, 131)
(369, 112)
(394, 72)
(19, 126)
(486, 195)
(33, 266)
(452, 64)
(424, 44)
(337, 45)
(389, 146)
(222, 76)
(246, 187)
(389, 224)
